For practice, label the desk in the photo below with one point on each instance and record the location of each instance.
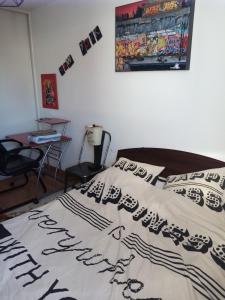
(52, 122)
(53, 150)
(23, 138)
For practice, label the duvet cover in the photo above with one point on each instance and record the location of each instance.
(116, 237)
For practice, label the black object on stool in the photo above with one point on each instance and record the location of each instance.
(86, 170)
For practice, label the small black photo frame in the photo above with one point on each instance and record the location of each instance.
(83, 48)
(87, 43)
(69, 61)
(65, 66)
(97, 32)
(61, 70)
(92, 37)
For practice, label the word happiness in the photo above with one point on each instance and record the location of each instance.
(152, 220)
(138, 171)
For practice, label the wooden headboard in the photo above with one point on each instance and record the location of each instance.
(175, 161)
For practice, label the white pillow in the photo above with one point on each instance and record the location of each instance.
(145, 172)
(160, 182)
(205, 188)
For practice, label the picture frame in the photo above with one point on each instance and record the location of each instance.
(69, 61)
(49, 91)
(61, 70)
(83, 48)
(97, 33)
(87, 44)
(92, 37)
(153, 35)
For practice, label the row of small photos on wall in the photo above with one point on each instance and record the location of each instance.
(85, 45)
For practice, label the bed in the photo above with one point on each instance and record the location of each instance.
(123, 236)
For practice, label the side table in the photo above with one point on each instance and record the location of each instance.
(83, 171)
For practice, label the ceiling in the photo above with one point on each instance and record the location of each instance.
(27, 4)
(31, 4)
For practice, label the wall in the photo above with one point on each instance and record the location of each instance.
(17, 105)
(181, 109)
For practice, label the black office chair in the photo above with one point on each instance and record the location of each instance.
(14, 163)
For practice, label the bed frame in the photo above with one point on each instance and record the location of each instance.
(175, 161)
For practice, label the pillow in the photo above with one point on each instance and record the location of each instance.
(145, 172)
(205, 188)
(160, 182)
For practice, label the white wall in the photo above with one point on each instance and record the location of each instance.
(181, 109)
(17, 105)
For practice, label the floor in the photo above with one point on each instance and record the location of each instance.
(24, 195)
(28, 192)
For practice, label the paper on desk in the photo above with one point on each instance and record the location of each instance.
(45, 138)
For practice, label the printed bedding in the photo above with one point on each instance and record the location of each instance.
(117, 237)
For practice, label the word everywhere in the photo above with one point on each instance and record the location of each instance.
(86, 256)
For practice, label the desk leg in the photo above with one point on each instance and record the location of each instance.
(42, 164)
(58, 164)
(63, 148)
(56, 153)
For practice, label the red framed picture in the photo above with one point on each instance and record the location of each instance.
(49, 91)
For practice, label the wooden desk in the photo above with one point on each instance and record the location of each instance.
(23, 138)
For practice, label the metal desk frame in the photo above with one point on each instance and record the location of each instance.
(49, 147)
(55, 150)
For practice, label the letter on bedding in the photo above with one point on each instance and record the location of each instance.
(196, 195)
(176, 233)
(140, 172)
(96, 191)
(198, 243)
(113, 195)
(154, 222)
(128, 203)
(214, 201)
(131, 166)
(120, 164)
(52, 290)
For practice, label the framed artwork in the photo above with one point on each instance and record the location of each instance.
(154, 35)
(97, 32)
(92, 37)
(49, 91)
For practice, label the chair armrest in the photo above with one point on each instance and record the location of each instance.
(18, 150)
(10, 141)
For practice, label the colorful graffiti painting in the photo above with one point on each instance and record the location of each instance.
(154, 35)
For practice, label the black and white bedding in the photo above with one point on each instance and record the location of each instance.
(205, 188)
(117, 237)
